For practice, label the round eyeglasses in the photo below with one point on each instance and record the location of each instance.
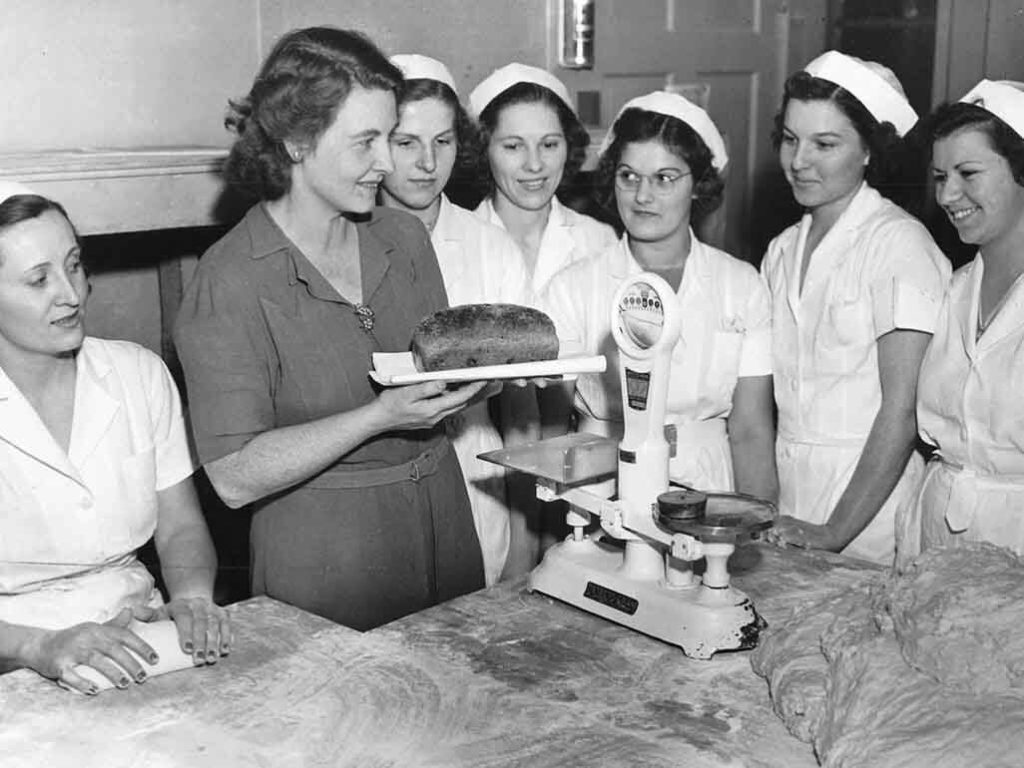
(662, 182)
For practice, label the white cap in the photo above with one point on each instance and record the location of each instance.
(873, 85)
(681, 108)
(1003, 98)
(416, 67)
(12, 188)
(500, 80)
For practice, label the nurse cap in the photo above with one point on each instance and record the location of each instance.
(12, 188)
(1002, 98)
(681, 108)
(500, 80)
(873, 85)
(416, 67)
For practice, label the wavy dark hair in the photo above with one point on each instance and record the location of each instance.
(20, 208)
(576, 137)
(466, 136)
(947, 119)
(884, 145)
(295, 97)
(640, 125)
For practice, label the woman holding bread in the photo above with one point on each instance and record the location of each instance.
(478, 260)
(856, 287)
(659, 167)
(969, 404)
(361, 513)
(94, 462)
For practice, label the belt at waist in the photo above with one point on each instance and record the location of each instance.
(346, 477)
(992, 479)
(821, 440)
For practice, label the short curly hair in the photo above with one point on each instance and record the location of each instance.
(948, 119)
(466, 136)
(640, 125)
(576, 136)
(295, 97)
(20, 208)
(884, 145)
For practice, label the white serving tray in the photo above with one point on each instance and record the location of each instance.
(392, 369)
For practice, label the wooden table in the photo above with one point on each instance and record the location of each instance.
(498, 678)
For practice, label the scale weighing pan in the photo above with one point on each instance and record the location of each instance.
(726, 518)
(568, 459)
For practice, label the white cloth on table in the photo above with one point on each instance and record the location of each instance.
(72, 521)
(726, 335)
(480, 263)
(568, 237)
(970, 408)
(876, 270)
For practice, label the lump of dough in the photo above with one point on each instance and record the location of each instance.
(913, 670)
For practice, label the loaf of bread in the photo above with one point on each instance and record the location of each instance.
(473, 335)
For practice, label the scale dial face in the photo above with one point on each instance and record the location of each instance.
(641, 315)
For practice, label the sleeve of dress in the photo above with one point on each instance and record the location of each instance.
(172, 455)
(911, 277)
(756, 353)
(229, 363)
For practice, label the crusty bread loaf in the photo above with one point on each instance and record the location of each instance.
(473, 335)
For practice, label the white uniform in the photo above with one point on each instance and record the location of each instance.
(568, 237)
(70, 523)
(971, 409)
(726, 334)
(480, 263)
(876, 270)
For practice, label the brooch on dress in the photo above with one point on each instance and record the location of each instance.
(365, 314)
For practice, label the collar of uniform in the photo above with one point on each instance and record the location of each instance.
(624, 263)
(863, 205)
(444, 228)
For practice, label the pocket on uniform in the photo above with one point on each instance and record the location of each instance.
(136, 497)
(849, 323)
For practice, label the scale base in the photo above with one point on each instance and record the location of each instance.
(698, 619)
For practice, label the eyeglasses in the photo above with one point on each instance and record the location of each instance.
(662, 182)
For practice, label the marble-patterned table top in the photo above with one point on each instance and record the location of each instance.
(502, 677)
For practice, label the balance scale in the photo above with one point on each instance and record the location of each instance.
(636, 570)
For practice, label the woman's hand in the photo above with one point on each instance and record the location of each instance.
(104, 647)
(791, 532)
(421, 406)
(204, 628)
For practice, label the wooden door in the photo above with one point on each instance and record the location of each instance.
(738, 47)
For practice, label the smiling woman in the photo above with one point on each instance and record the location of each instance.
(360, 515)
(969, 405)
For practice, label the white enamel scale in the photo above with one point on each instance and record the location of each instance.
(636, 570)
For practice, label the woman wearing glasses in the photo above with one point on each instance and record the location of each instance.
(660, 165)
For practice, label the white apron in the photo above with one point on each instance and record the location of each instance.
(971, 408)
(480, 263)
(876, 270)
(70, 522)
(726, 334)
